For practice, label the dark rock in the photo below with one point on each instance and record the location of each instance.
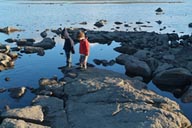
(7, 79)
(159, 10)
(10, 40)
(17, 92)
(190, 25)
(118, 23)
(176, 77)
(100, 23)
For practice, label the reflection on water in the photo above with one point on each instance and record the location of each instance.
(35, 18)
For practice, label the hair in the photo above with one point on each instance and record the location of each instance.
(80, 35)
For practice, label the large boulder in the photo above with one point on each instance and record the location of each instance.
(175, 77)
(110, 99)
(134, 66)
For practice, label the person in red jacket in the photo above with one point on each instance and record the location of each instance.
(84, 49)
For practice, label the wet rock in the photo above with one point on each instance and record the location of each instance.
(5, 60)
(8, 30)
(7, 79)
(58, 31)
(138, 22)
(47, 81)
(100, 23)
(159, 22)
(2, 90)
(159, 11)
(24, 42)
(83, 23)
(176, 77)
(4, 48)
(43, 34)
(11, 40)
(46, 43)
(190, 25)
(118, 23)
(31, 49)
(104, 62)
(126, 49)
(17, 92)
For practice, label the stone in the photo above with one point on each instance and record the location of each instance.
(33, 113)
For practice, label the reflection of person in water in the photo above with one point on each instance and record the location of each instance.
(68, 47)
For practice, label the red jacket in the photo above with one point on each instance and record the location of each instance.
(84, 47)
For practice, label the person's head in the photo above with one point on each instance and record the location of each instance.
(81, 35)
(65, 34)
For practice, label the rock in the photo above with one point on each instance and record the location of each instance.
(83, 23)
(43, 34)
(118, 23)
(97, 61)
(5, 60)
(187, 96)
(15, 123)
(31, 49)
(17, 92)
(126, 49)
(58, 31)
(7, 79)
(32, 113)
(46, 43)
(47, 81)
(10, 40)
(162, 67)
(112, 100)
(136, 67)
(2, 90)
(176, 77)
(159, 22)
(4, 48)
(55, 113)
(24, 42)
(8, 30)
(159, 10)
(190, 25)
(100, 23)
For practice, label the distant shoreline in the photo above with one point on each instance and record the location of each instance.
(95, 2)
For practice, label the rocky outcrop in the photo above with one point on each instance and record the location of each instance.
(95, 95)
(6, 57)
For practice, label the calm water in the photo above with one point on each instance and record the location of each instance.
(35, 18)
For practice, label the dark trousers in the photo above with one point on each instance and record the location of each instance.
(68, 58)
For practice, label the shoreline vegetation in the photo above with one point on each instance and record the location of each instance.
(98, 1)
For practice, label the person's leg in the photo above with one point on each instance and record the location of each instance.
(68, 59)
(81, 61)
(85, 62)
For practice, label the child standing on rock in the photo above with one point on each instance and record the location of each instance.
(84, 50)
(68, 47)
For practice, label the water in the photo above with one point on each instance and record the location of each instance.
(35, 18)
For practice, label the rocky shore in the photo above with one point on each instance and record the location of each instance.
(82, 99)
(95, 98)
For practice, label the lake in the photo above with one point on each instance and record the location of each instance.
(34, 17)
